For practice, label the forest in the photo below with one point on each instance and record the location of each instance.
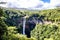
(40, 24)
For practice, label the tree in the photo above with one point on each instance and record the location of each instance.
(45, 31)
(3, 26)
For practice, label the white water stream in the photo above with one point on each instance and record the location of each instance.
(24, 21)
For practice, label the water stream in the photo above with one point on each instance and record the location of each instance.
(24, 21)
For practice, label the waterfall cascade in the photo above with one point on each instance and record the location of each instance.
(24, 21)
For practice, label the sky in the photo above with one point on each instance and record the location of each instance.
(31, 4)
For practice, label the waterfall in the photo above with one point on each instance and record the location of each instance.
(24, 21)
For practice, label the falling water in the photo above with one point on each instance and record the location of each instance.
(24, 21)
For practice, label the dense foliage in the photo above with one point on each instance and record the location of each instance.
(43, 24)
(3, 26)
(42, 32)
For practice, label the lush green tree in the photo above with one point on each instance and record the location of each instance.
(44, 31)
(3, 26)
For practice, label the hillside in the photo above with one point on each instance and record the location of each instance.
(39, 25)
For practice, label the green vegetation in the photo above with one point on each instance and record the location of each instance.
(3, 26)
(43, 24)
(42, 32)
